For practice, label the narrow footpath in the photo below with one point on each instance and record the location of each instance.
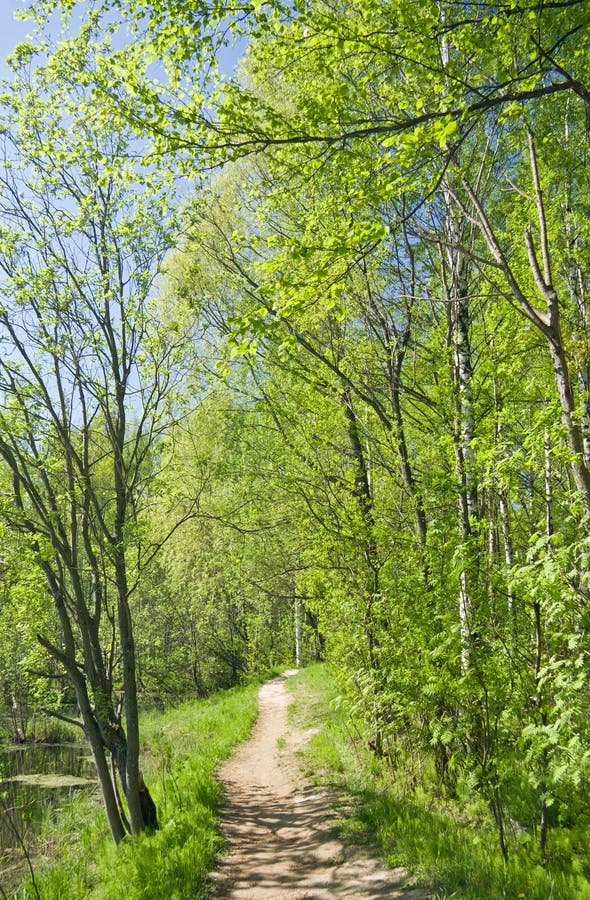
(281, 838)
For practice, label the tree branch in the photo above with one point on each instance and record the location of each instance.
(56, 715)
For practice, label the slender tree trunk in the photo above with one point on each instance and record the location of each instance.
(68, 659)
(128, 755)
(129, 760)
(579, 470)
(364, 496)
(504, 509)
(362, 491)
(297, 623)
(455, 269)
(102, 768)
(507, 541)
(407, 473)
(91, 728)
(552, 320)
(581, 336)
(547, 321)
(537, 612)
(496, 804)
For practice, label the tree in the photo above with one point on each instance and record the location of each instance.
(87, 390)
(400, 279)
(516, 53)
(325, 272)
(221, 606)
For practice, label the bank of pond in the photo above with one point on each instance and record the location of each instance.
(53, 822)
(36, 778)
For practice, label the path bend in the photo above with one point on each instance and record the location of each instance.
(281, 836)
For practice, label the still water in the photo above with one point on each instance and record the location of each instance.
(34, 779)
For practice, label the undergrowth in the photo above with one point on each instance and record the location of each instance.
(181, 752)
(450, 846)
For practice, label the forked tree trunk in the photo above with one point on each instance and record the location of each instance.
(91, 727)
(547, 320)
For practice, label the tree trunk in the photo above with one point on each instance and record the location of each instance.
(129, 766)
(297, 624)
(455, 274)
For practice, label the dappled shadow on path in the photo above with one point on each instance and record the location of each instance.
(282, 843)
(290, 849)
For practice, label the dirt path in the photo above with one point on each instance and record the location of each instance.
(281, 839)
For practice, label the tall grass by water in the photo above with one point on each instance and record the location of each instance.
(448, 845)
(181, 752)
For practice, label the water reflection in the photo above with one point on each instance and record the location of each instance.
(23, 806)
(64, 759)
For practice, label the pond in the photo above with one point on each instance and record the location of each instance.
(33, 779)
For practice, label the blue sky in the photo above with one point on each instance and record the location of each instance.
(11, 32)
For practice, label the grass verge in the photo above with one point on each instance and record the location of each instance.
(182, 750)
(449, 846)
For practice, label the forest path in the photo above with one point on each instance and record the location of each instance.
(281, 837)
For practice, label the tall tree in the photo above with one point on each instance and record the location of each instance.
(87, 390)
(410, 230)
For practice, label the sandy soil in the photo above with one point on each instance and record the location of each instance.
(281, 839)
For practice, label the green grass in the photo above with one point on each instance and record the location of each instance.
(449, 846)
(182, 750)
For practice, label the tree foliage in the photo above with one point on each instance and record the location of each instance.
(87, 389)
(386, 292)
